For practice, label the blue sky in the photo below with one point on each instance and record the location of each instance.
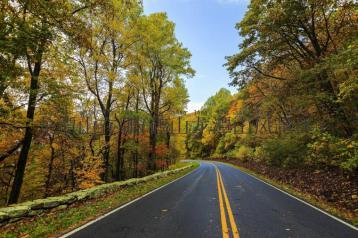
(207, 29)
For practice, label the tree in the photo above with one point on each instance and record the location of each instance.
(78, 78)
(289, 41)
(161, 59)
(36, 29)
(213, 113)
(124, 100)
(9, 50)
(104, 59)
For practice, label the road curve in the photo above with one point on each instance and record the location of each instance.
(217, 200)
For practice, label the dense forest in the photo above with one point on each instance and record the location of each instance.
(91, 91)
(296, 108)
(87, 88)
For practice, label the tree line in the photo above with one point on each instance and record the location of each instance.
(85, 61)
(297, 77)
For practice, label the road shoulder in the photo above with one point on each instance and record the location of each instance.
(63, 221)
(344, 217)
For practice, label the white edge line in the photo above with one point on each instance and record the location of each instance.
(121, 207)
(308, 204)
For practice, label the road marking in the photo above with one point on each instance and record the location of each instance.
(123, 206)
(234, 229)
(296, 198)
(224, 227)
(225, 203)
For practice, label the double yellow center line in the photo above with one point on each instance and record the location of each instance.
(224, 202)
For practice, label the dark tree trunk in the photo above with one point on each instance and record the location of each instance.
(120, 159)
(106, 110)
(135, 162)
(72, 175)
(50, 168)
(107, 139)
(119, 155)
(122, 171)
(153, 131)
(137, 127)
(21, 163)
(120, 142)
(167, 143)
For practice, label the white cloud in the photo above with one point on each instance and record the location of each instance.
(194, 106)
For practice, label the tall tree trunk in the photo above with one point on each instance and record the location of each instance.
(72, 175)
(153, 131)
(120, 162)
(167, 143)
(107, 139)
(50, 167)
(137, 128)
(21, 163)
(122, 171)
(106, 110)
(120, 142)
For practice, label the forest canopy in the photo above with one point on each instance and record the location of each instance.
(296, 71)
(86, 88)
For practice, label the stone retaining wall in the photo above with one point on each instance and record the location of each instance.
(19, 211)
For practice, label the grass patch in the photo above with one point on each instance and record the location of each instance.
(344, 215)
(178, 165)
(60, 222)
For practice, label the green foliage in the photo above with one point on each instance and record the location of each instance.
(217, 106)
(176, 96)
(288, 150)
(259, 154)
(328, 150)
(226, 143)
(250, 140)
(243, 153)
(298, 60)
(85, 79)
(204, 140)
(296, 71)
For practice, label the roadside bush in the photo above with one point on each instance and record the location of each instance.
(249, 140)
(226, 143)
(327, 150)
(286, 151)
(242, 153)
(259, 154)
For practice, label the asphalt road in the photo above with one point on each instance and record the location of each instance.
(217, 200)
